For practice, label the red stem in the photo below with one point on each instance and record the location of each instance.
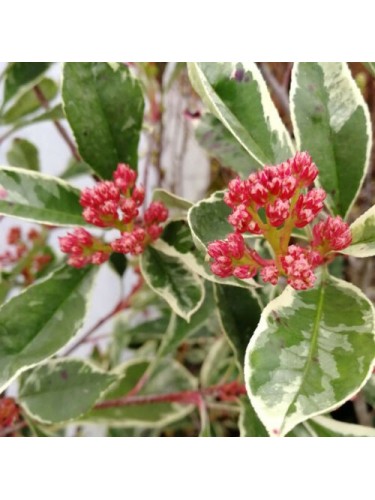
(224, 391)
(44, 102)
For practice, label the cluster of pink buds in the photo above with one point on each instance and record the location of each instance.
(9, 412)
(114, 204)
(19, 248)
(272, 203)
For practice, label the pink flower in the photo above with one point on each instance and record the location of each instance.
(277, 212)
(238, 193)
(83, 248)
(331, 234)
(270, 274)
(155, 213)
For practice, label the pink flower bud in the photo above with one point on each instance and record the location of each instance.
(124, 177)
(156, 212)
(308, 206)
(277, 212)
(298, 267)
(138, 195)
(331, 234)
(238, 192)
(14, 235)
(303, 168)
(270, 274)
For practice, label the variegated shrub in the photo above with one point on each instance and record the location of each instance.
(246, 312)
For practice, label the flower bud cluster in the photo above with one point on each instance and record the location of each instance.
(273, 202)
(114, 204)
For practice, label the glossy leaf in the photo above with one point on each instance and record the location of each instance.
(168, 377)
(363, 234)
(118, 262)
(20, 76)
(239, 312)
(62, 390)
(221, 145)
(39, 321)
(104, 106)
(173, 281)
(331, 121)
(238, 96)
(311, 352)
(29, 102)
(23, 154)
(39, 197)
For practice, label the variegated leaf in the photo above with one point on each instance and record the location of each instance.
(238, 96)
(311, 351)
(363, 233)
(249, 423)
(173, 281)
(331, 121)
(39, 321)
(62, 389)
(38, 197)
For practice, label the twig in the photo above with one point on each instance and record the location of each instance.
(224, 392)
(44, 102)
(278, 88)
(120, 306)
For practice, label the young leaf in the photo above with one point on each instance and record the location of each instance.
(331, 121)
(21, 76)
(23, 154)
(39, 198)
(39, 321)
(238, 96)
(239, 312)
(363, 234)
(168, 377)
(62, 390)
(311, 352)
(104, 106)
(173, 281)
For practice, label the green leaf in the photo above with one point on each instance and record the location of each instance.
(29, 102)
(104, 106)
(221, 145)
(62, 390)
(23, 154)
(363, 234)
(39, 321)
(239, 312)
(20, 76)
(173, 281)
(179, 329)
(311, 352)
(249, 423)
(238, 96)
(331, 121)
(39, 197)
(168, 377)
